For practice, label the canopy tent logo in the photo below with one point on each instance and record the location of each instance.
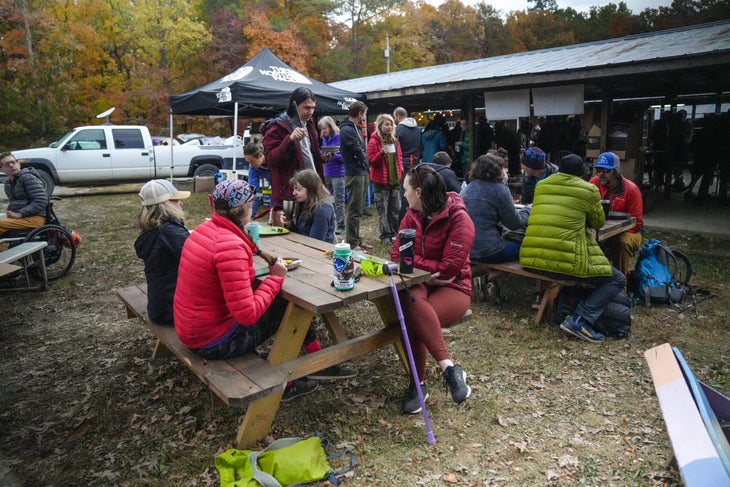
(285, 74)
(346, 102)
(224, 95)
(238, 74)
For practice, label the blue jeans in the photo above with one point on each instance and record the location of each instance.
(607, 287)
(336, 186)
(510, 252)
(245, 339)
(254, 179)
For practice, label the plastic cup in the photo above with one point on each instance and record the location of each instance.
(253, 232)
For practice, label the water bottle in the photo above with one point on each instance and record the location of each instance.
(406, 248)
(344, 267)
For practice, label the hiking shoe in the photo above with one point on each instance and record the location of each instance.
(335, 372)
(411, 404)
(492, 293)
(299, 387)
(339, 231)
(578, 327)
(537, 300)
(455, 378)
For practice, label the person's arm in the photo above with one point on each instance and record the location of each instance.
(36, 194)
(635, 206)
(278, 145)
(234, 263)
(508, 215)
(323, 220)
(173, 235)
(375, 155)
(457, 245)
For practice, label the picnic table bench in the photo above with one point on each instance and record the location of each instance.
(235, 382)
(23, 254)
(547, 285)
(695, 415)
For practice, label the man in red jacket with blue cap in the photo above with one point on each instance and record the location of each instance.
(624, 196)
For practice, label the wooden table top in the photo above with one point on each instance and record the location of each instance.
(309, 285)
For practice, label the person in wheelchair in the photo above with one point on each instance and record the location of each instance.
(160, 244)
(27, 198)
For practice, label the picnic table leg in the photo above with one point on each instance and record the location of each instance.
(336, 331)
(548, 296)
(386, 308)
(287, 344)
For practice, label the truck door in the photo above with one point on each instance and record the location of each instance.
(85, 157)
(131, 160)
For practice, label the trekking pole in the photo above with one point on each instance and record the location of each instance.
(429, 432)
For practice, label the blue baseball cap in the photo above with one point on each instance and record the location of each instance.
(608, 160)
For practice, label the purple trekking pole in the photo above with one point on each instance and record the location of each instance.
(429, 432)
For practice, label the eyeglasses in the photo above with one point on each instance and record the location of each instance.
(415, 170)
(602, 169)
(533, 154)
(7, 163)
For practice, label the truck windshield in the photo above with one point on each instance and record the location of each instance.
(60, 141)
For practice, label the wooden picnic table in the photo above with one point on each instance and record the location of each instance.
(613, 227)
(309, 292)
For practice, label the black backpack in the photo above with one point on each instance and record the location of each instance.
(661, 275)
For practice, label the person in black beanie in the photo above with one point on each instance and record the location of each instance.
(536, 168)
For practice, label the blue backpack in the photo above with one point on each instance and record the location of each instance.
(661, 275)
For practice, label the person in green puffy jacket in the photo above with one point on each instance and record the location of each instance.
(559, 242)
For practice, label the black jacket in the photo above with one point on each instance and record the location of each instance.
(160, 250)
(352, 148)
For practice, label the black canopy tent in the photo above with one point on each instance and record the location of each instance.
(259, 88)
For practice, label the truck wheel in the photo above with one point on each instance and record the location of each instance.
(48, 183)
(206, 170)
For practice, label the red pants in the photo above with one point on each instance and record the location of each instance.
(426, 310)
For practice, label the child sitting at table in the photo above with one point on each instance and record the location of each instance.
(314, 214)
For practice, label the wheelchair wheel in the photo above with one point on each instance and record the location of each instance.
(60, 253)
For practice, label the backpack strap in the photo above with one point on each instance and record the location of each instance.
(263, 478)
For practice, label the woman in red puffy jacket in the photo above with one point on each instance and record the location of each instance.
(218, 312)
(444, 235)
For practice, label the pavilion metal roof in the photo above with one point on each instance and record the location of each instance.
(687, 60)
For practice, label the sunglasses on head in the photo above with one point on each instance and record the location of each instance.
(416, 171)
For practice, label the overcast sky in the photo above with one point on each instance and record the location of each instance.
(507, 6)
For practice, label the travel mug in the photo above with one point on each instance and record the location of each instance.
(406, 249)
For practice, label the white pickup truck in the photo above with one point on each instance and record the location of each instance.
(110, 154)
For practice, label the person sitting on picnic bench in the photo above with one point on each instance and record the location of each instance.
(220, 312)
(160, 244)
(27, 198)
(489, 204)
(536, 168)
(558, 242)
(623, 196)
(444, 235)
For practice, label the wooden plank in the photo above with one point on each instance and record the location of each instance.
(8, 268)
(614, 227)
(696, 456)
(305, 365)
(236, 382)
(14, 254)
